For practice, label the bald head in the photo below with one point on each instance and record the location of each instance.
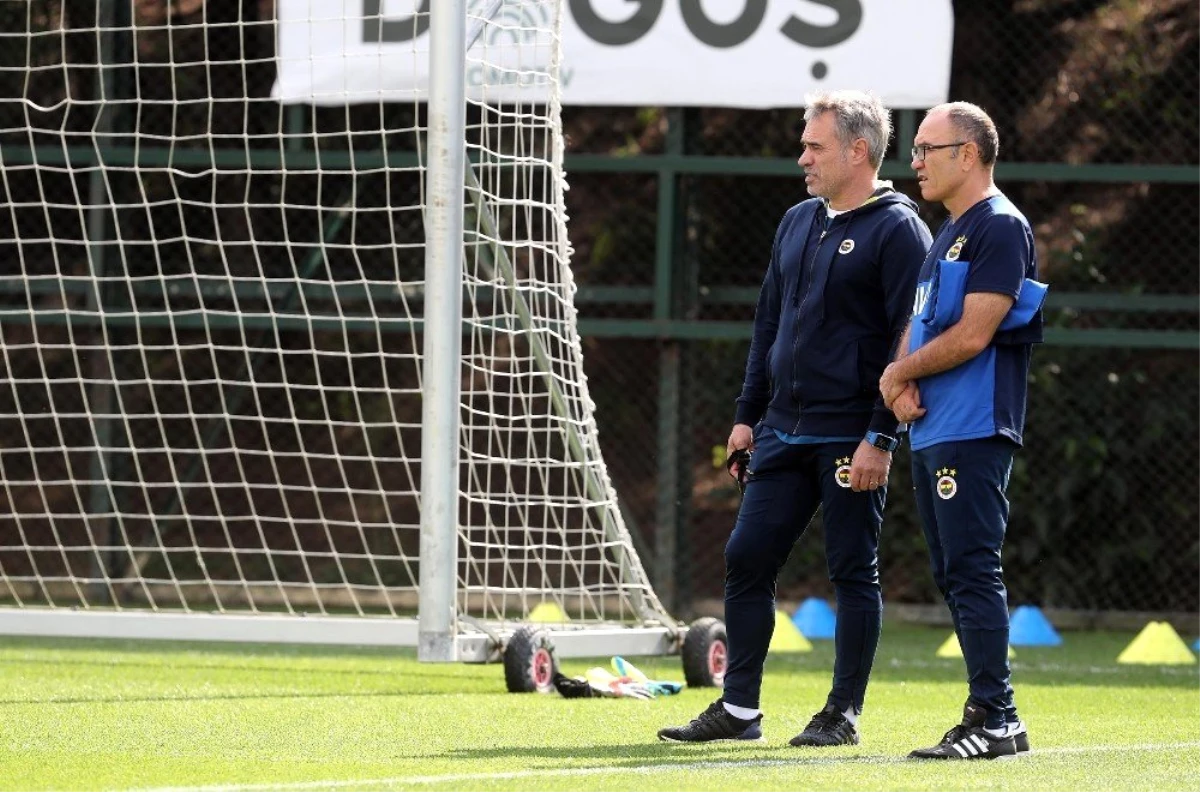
(974, 126)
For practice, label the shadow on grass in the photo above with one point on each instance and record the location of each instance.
(665, 754)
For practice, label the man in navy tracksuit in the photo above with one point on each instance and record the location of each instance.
(961, 379)
(835, 298)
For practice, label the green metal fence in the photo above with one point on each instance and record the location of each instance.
(672, 214)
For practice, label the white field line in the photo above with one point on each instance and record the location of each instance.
(1018, 665)
(647, 769)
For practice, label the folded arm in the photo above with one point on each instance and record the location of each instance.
(982, 314)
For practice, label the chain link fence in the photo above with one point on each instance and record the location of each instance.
(1097, 105)
(1105, 493)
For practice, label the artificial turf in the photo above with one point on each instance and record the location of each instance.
(119, 715)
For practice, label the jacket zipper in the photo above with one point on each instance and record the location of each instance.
(800, 312)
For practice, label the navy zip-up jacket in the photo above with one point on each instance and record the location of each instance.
(834, 301)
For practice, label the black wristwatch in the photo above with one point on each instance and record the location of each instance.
(883, 442)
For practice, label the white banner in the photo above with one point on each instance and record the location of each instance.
(728, 53)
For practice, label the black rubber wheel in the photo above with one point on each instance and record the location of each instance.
(529, 662)
(705, 653)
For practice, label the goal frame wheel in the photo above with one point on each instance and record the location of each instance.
(705, 653)
(529, 661)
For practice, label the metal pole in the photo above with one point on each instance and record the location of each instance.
(442, 354)
(667, 290)
(906, 131)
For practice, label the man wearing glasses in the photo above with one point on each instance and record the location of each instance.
(960, 378)
(836, 295)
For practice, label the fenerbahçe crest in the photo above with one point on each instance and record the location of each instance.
(842, 474)
(956, 249)
(947, 487)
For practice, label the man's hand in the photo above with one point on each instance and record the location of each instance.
(870, 467)
(741, 437)
(891, 385)
(907, 406)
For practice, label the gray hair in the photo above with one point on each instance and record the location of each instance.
(858, 115)
(975, 126)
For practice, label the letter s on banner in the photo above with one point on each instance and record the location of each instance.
(850, 13)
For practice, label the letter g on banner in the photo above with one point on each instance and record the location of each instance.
(616, 34)
(717, 35)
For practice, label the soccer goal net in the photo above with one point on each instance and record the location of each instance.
(215, 311)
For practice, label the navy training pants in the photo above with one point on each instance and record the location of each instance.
(961, 496)
(787, 484)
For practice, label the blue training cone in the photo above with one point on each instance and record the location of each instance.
(815, 619)
(1196, 646)
(1030, 627)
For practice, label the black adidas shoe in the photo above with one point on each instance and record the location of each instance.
(973, 718)
(969, 740)
(715, 724)
(827, 727)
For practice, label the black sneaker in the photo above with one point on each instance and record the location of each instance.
(969, 740)
(973, 717)
(714, 724)
(827, 727)
(1020, 735)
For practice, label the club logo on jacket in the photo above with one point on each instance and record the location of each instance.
(842, 474)
(947, 487)
(956, 249)
(846, 246)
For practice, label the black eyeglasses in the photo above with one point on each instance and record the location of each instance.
(921, 151)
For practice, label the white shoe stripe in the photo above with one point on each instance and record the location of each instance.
(958, 746)
(982, 743)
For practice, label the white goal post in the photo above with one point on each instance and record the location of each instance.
(303, 373)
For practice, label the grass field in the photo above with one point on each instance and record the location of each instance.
(108, 715)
